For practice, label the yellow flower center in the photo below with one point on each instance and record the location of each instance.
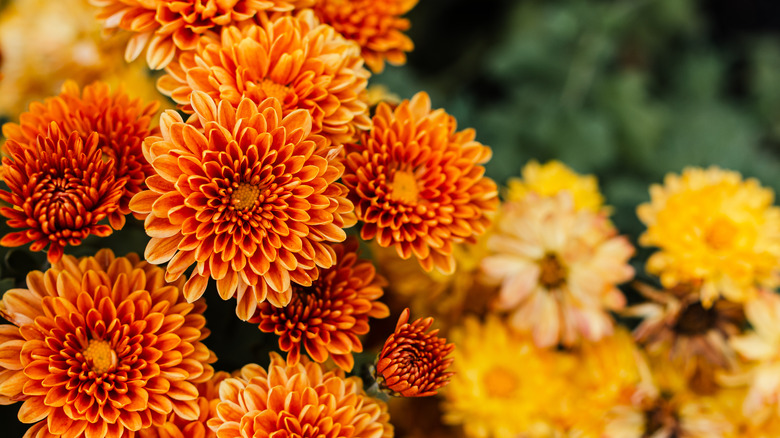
(720, 233)
(552, 272)
(245, 196)
(500, 382)
(404, 187)
(100, 357)
(272, 89)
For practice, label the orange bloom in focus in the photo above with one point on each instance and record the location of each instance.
(60, 188)
(328, 316)
(168, 26)
(412, 362)
(121, 123)
(102, 347)
(302, 63)
(374, 24)
(297, 400)
(178, 427)
(418, 185)
(251, 198)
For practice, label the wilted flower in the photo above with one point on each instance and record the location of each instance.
(297, 400)
(327, 317)
(418, 185)
(251, 198)
(121, 123)
(376, 25)
(60, 188)
(715, 229)
(413, 362)
(552, 177)
(558, 268)
(304, 64)
(104, 348)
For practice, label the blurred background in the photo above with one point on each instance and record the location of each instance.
(627, 90)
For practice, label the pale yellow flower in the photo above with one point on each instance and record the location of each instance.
(504, 386)
(712, 227)
(558, 268)
(552, 177)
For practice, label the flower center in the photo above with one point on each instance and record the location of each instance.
(696, 320)
(720, 233)
(244, 196)
(661, 416)
(404, 187)
(552, 272)
(100, 357)
(500, 382)
(272, 89)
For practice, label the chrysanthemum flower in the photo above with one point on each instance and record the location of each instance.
(761, 347)
(251, 198)
(297, 400)
(713, 227)
(304, 64)
(504, 386)
(418, 185)
(60, 188)
(552, 177)
(178, 427)
(374, 24)
(169, 26)
(105, 348)
(677, 325)
(413, 362)
(121, 123)
(558, 269)
(327, 317)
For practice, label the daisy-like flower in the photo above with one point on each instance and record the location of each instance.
(419, 185)
(761, 348)
(712, 227)
(327, 317)
(677, 325)
(178, 427)
(304, 64)
(251, 198)
(504, 386)
(374, 24)
(558, 269)
(297, 400)
(103, 347)
(59, 189)
(552, 177)
(165, 27)
(121, 123)
(414, 361)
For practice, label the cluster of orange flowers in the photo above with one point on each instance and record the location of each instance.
(254, 187)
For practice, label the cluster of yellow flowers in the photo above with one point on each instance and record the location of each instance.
(276, 164)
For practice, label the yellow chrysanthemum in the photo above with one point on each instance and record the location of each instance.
(712, 227)
(552, 177)
(503, 386)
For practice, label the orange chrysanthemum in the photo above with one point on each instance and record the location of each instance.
(327, 317)
(297, 401)
(60, 188)
(413, 361)
(168, 26)
(178, 427)
(374, 24)
(304, 64)
(102, 347)
(251, 198)
(418, 185)
(121, 123)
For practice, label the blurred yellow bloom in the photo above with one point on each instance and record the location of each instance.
(552, 177)
(504, 386)
(712, 227)
(44, 43)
